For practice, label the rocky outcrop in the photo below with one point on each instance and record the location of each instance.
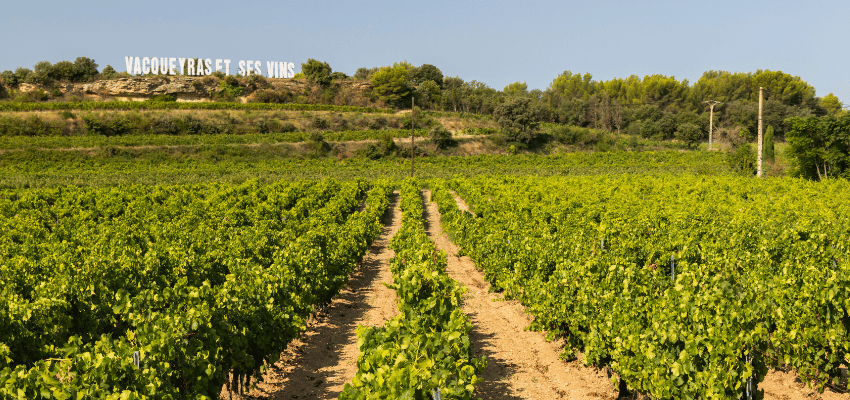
(184, 88)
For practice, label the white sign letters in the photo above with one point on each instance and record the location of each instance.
(200, 67)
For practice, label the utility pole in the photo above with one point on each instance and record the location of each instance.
(761, 97)
(712, 103)
(412, 131)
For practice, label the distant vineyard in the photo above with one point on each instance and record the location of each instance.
(170, 105)
(687, 287)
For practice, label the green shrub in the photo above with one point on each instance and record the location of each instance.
(689, 133)
(229, 89)
(567, 134)
(21, 74)
(163, 98)
(742, 159)
(768, 152)
(319, 122)
(31, 96)
(377, 123)
(256, 81)
(270, 96)
(116, 125)
(441, 137)
(109, 72)
(516, 117)
(317, 145)
(8, 78)
(288, 127)
(317, 72)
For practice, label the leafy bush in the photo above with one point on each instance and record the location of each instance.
(256, 81)
(288, 127)
(30, 96)
(517, 120)
(163, 98)
(317, 145)
(229, 89)
(319, 122)
(689, 133)
(270, 96)
(567, 134)
(377, 123)
(441, 137)
(114, 126)
(21, 74)
(109, 72)
(8, 78)
(317, 72)
(742, 160)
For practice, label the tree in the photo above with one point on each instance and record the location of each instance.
(767, 148)
(109, 72)
(819, 147)
(831, 103)
(425, 73)
(365, 74)
(9, 78)
(391, 86)
(428, 94)
(317, 72)
(689, 133)
(41, 74)
(516, 117)
(86, 69)
(516, 89)
(453, 92)
(22, 73)
(63, 71)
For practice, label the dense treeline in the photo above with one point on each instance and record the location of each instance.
(655, 106)
(652, 106)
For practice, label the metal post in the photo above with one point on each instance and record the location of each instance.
(412, 131)
(761, 97)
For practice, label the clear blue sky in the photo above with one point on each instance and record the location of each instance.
(495, 42)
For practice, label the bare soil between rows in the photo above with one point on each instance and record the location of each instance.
(583, 381)
(520, 363)
(324, 359)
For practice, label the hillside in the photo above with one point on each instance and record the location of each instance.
(191, 89)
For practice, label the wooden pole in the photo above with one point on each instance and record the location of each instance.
(712, 103)
(761, 97)
(412, 131)
(710, 126)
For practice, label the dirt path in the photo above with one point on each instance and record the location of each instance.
(779, 385)
(520, 364)
(318, 365)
